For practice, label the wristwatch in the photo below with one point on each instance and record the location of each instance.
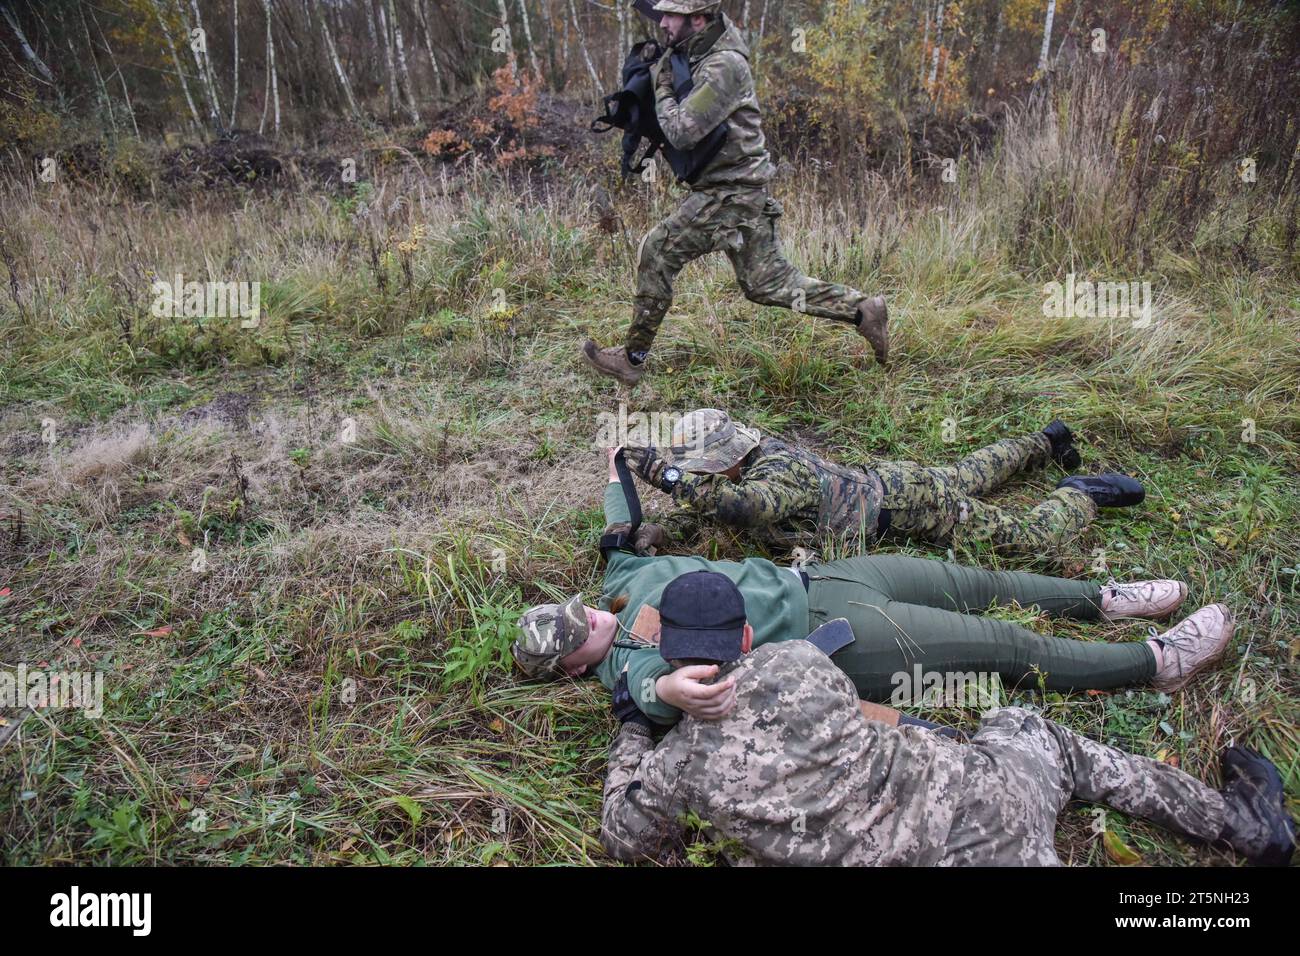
(668, 480)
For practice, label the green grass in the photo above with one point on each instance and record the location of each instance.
(334, 686)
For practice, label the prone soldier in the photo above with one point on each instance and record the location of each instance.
(721, 471)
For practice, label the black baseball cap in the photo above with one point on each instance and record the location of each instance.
(702, 617)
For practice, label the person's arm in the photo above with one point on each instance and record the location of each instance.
(775, 488)
(638, 817)
(721, 85)
(772, 491)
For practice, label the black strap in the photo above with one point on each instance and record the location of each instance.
(629, 489)
(623, 542)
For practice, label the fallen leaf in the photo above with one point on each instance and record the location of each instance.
(158, 632)
(76, 642)
(1118, 850)
(184, 539)
(496, 726)
(5, 592)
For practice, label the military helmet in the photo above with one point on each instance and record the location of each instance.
(548, 633)
(687, 6)
(708, 441)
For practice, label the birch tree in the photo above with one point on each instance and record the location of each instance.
(338, 64)
(401, 64)
(1047, 36)
(176, 60)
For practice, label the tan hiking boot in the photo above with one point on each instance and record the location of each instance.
(1192, 646)
(873, 325)
(1155, 600)
(613, 362)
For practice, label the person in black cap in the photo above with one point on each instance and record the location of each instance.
(793, 774)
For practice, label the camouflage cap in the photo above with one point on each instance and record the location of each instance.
(548, 633)
(687, 6)
(707, 440)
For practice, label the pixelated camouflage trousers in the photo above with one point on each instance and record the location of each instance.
(1021, 771)
(741, 223)
(941, 504)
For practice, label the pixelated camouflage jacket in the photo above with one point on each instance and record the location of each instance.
(794, 775)
(723, 92)
(787, 496)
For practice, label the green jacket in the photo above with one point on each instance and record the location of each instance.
(786, 497)
(724, 92)
(776, 606)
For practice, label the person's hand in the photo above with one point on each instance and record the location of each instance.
(665, 67)
(647, 463)
(613, 474)
(685, 689)
(649, 539)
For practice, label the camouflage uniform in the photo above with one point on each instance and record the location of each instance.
(729, 208)
(788, 496)
(796, 775)
(940, 504)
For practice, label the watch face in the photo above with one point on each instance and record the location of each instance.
(672, 475)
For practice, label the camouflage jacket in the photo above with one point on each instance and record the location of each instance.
(793, 775)
(786, 496)
(724, 92)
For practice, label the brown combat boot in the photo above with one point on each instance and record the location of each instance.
(612, 362)
(873, 325)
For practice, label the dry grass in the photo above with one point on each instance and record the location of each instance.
(331, 688)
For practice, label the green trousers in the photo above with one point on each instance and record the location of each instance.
(915, 616)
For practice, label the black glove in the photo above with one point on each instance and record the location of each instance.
(625, 705)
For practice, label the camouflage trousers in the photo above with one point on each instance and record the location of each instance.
(940, 504)
(1021, 771)
(742, 223)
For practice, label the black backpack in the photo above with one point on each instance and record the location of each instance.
(632, 109)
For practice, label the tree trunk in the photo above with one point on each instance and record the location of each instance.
(180, 72)
(938, 45)
(338, 66)
(234, 89)
(126, 95)
(528, 35)
(1047, 36)
(586, 55)
(32, 57)
(270, 58)
(403, 72)
(428, 44)
(206, 74)
(385, 37)
(99, 77)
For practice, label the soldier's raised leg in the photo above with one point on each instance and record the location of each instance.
(702, 223)
(768, 278)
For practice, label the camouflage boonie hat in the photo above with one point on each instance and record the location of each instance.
(687, 6)
(708, 441)
(547, 633)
